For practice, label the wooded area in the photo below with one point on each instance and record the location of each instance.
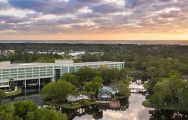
(164, 67)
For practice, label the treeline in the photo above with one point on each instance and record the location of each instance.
(132, 54)
(141, 49)
(53, 47)
(23, 57)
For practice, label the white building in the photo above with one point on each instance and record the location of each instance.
(26, 73)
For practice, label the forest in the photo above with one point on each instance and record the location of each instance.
(163, 68)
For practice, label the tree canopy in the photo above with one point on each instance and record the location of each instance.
(170, 91)
(94, 86)
(27, 110)
(46, 114)
(58, 91)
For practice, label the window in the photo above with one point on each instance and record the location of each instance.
(13, 73)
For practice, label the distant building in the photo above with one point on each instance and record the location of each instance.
(27, 73)
(76, 53)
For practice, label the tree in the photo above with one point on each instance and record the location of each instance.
(8, 116)
(58, 91)
(93, 86)
(86, 74)
(7, 112)
(185, 95)
(108, 75)
(174, 79)
(2, 95)
(24, 107)
(123, 74)
(27, 110)
(46, 114)
(161, 94)
(122, 87)
(98, 79)
(170, 91)
(72, 79)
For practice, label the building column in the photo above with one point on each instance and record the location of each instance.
(25, 84)
(68, 69)
(39, 82)
(52, 79)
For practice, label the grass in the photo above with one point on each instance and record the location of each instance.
(76, 105)
(121, 97)
(146, 103)
(17, 92)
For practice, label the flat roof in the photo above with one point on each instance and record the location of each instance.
(24, 65)
(94, 63)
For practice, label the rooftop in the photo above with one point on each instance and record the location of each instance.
(92, 63)
(7, 64)
(25, 65)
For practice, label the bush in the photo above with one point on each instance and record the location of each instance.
(83, 102)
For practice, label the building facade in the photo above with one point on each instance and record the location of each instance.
(30, 73)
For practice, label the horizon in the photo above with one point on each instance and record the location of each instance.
(93, 20)
(138, 42)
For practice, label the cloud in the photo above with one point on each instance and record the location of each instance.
(106, 8)
(113, 16)
(52, 6)
(4, 26)
(11, 19)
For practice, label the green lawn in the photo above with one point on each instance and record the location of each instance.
(121, 97)
(74, 105)
(78, 104)
(17, 92)
(146, 103)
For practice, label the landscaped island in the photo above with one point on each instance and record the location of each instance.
(12, 92)
(87, 86)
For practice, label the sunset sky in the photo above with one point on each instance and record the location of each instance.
(93, 19)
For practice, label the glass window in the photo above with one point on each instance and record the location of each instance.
(64, 70)
(72, 69)
(5, 83)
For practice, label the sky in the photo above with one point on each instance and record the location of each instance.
(93, 19)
